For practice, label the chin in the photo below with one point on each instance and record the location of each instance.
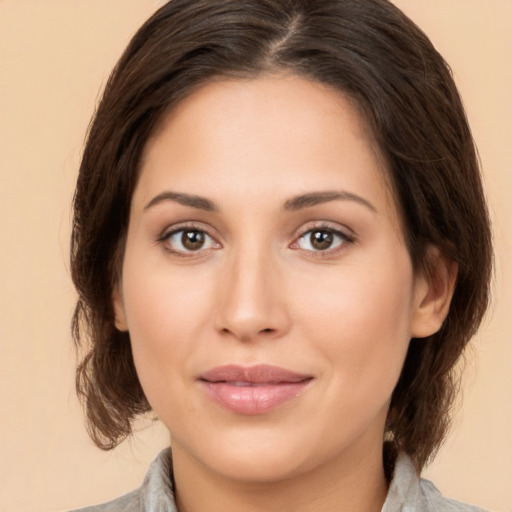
(251, 455)
(259, 465)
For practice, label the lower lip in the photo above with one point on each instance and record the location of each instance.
(254, 399)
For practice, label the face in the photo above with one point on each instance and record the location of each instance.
(266, 285)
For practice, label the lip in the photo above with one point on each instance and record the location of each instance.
(253, 390)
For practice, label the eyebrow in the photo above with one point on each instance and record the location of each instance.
(295, 203)
(201, 203)
(314, 198)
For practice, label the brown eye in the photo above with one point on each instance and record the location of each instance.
(183, 241)
(321, 240)
(192, 240)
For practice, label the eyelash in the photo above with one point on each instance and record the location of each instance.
(165, 238)
(344, 240)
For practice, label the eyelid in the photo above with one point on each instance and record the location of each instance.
(169, 231)
(347, 235)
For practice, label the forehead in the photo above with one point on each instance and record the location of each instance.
(264, 100)
(274, 131)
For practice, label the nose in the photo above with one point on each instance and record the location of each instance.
(252, 299)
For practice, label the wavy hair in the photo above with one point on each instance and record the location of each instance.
(372, 53)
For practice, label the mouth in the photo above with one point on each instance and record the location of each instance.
(253, 390)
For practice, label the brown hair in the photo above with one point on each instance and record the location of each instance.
(368, 50)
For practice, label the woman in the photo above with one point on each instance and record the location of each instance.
(281, 247)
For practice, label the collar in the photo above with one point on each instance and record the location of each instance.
(405, 492)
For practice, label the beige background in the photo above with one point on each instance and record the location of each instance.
(54, 57)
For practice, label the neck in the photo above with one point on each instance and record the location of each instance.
(347, 484)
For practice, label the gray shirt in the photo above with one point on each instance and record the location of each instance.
(407, 492)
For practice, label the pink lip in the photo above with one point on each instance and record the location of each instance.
(252, 390)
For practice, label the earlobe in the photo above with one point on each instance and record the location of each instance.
(119, 312)
(434, 292)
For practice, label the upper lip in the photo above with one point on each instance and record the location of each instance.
(258, 374)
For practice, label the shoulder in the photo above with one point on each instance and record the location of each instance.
(127, 503)
(410, 493)
(155, 493)
(435, 501)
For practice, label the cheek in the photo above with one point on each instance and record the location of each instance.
(360, 318)
(165, 313)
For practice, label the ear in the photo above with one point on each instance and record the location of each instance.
(433, 294)
(119, 311)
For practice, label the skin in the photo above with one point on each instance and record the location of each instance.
(259, 291)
